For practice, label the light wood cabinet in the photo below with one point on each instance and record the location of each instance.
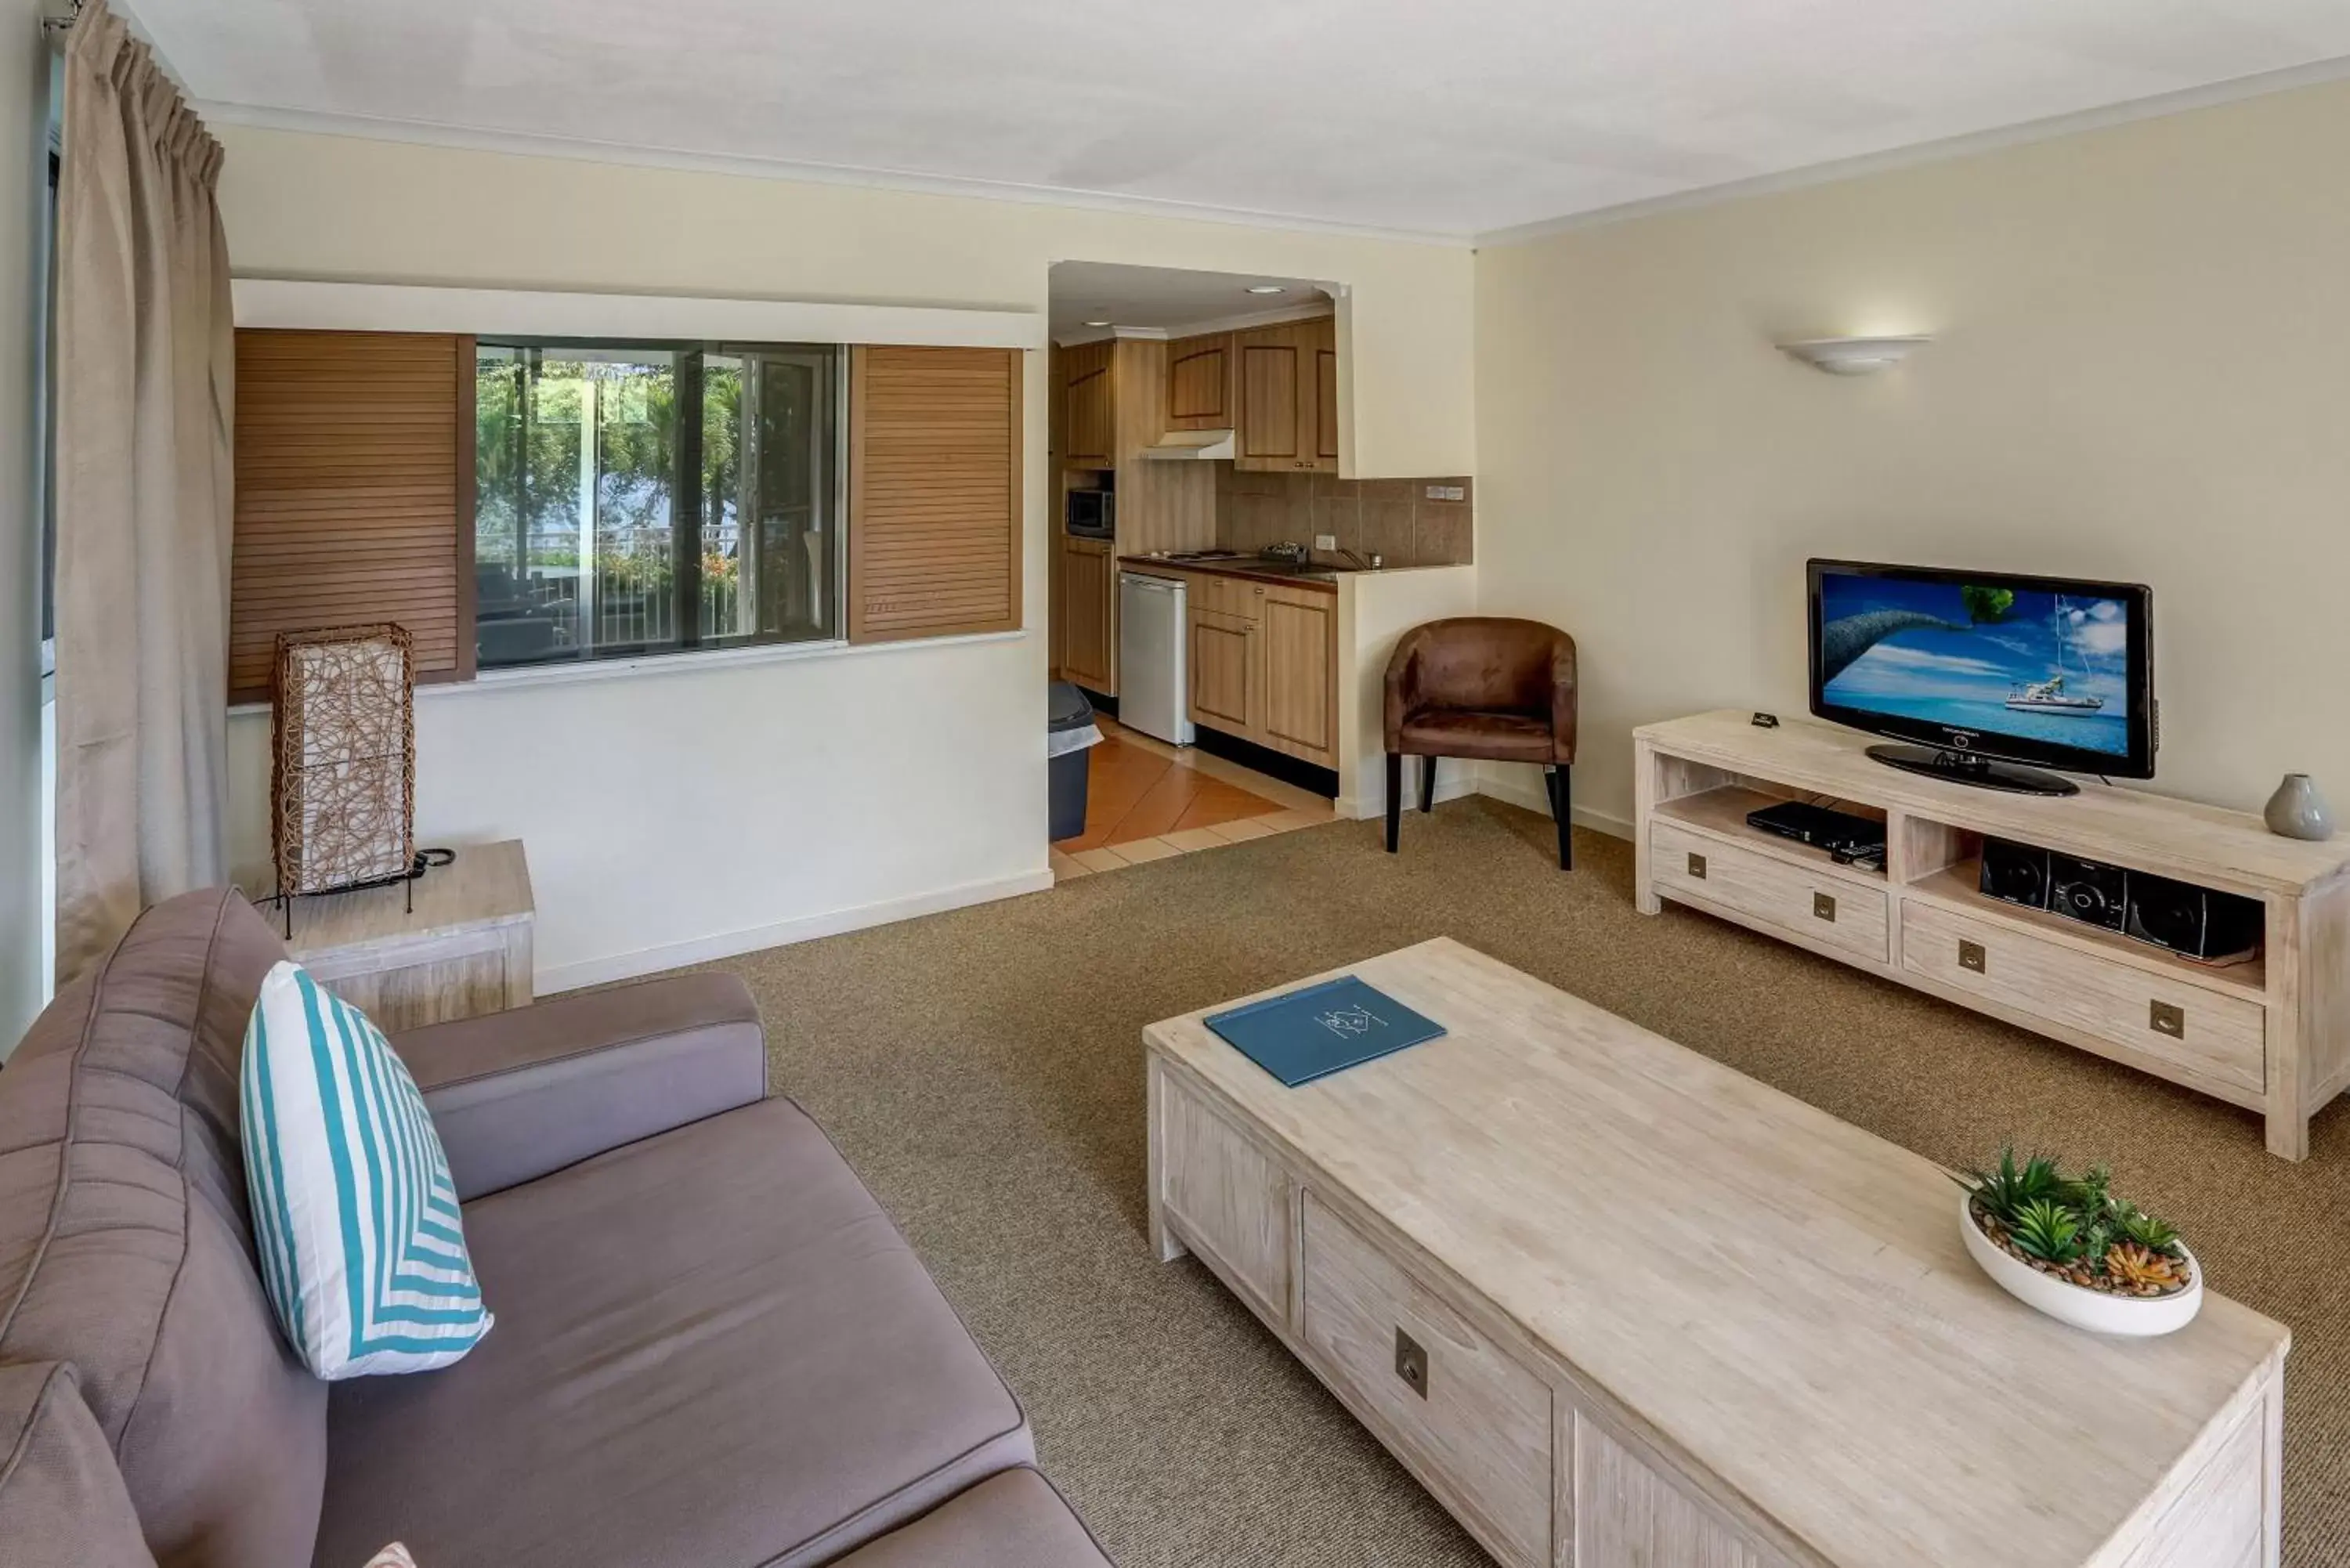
(1263, 664)
(1200, 377)
(1298, 642)
(1472, 1272)
(1089, 407)
(2270, 1033)
(1088, 590)
(1457, 1405)
(1287, 386)
(1224, 677)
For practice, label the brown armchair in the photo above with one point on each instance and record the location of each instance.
(1488, 689)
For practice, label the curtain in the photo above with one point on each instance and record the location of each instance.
(146, 357)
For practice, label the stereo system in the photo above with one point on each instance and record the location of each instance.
(2194, 923)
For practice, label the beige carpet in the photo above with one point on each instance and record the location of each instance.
(981, 1069)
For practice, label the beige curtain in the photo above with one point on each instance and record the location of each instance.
(146, 356)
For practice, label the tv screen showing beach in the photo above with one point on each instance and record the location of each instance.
(1998, 660)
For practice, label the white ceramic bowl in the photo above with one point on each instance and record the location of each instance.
(2069, 1302)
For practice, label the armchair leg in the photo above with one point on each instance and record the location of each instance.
(1395, 799)
(1427, 783)
(1562, 810)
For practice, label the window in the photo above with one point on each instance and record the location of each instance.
(636, 498)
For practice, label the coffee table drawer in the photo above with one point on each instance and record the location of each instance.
(1471, 1422)
(1844, 914)
(2213, 1036)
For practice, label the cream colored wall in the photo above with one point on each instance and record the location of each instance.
(1374, 609)
(682, 813)
(24, 187)
(2143, 372)
(340, 207)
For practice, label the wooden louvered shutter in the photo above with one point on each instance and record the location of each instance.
(354, 494)
(934, 497)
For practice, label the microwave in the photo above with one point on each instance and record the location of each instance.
(1093, 513)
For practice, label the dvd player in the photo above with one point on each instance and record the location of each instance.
(1850, 839)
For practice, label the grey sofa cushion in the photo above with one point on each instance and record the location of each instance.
(61, 1500)
(517, 1094)
(1014, 1520)
(124, 1248)
(712, 1348)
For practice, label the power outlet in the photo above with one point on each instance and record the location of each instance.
(1448, 492)
(1326, 541)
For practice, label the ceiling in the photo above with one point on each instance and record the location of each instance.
(1452, 120)
(1167, 299)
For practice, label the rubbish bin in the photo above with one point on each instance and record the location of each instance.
(1069, 732)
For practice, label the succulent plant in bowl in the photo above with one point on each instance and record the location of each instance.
(2068, 1246)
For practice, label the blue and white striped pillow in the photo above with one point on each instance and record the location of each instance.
(354, 1216)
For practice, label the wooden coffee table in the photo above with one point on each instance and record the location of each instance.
(1617, 1304)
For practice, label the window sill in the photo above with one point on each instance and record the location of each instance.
(510, 679)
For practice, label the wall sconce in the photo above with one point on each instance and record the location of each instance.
(1853, 356)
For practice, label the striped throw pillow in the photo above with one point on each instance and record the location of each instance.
(354, 1216)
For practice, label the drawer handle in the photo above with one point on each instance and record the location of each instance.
(1697, 865)
(1970, 956)
(1822, 907)
(1411, 1363)
(2166, 1018)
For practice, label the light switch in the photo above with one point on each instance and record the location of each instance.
(1326, 541)
(1448, 492)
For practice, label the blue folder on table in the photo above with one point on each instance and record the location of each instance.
(1301, 1035)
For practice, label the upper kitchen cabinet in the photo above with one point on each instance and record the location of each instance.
(1203, 373)
(1089, 407)
(1288, 397)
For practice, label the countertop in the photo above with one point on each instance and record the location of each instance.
(1248, 566)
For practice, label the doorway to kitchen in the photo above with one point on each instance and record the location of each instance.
(1146, 800)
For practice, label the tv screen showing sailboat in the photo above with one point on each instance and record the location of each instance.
(1989, 658)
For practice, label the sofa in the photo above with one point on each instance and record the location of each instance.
(713, 1347)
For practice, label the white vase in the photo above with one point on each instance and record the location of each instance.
(2068, 1303)
(2298, 811)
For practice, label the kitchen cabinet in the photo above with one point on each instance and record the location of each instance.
(1201, 382)
(1263, 664)
(1298, 642)
(1089, 407)
(1087, 614)
(1287, 397)
(1225, 693)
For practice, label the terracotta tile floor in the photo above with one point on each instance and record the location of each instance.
(1145, 800)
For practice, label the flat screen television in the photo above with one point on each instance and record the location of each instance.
(1983, 670)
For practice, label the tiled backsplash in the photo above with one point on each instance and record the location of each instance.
(1393, 518)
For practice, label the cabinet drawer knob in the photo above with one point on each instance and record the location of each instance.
(1411, 1363)
(2166, 1018)
(1697, 865)
(1822, 907)
(1970, 956)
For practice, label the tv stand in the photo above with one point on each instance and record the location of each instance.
(2271, 1033)
(1966, 768)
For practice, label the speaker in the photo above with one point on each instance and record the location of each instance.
(2194, 921)
(2093, 894)
(2014, 872)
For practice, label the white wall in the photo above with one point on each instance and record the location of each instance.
(681, 814)
(24, 186)
(2143, 372)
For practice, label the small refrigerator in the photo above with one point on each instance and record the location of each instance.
(1154, 692)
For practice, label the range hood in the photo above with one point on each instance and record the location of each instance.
(1208, 444)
